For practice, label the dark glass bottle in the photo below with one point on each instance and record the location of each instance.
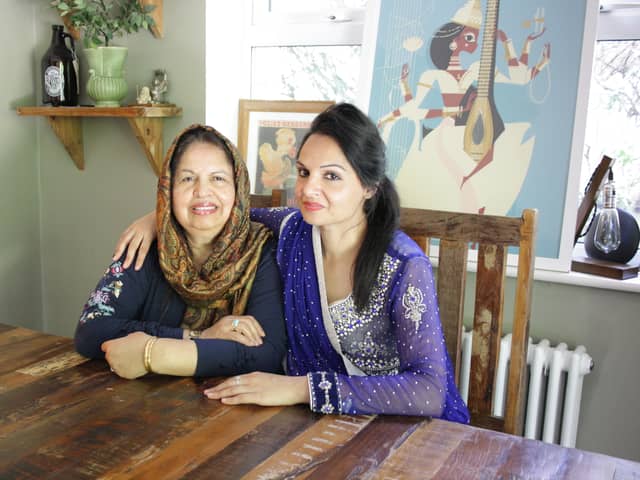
(60, 71)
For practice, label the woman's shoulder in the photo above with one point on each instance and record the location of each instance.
(150, 265)
(403, 247)
(271, 213)
(152, 260)
(268, 249)
(273, 218)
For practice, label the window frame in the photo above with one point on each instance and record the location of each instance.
(324, 26)
(307, 29)
(618, 23)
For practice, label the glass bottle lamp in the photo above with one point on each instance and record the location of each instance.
(607, 234)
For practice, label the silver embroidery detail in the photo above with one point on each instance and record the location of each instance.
(326, 386)
(366, 336)
(413, 303)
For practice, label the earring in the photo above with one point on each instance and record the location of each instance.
(453, 46)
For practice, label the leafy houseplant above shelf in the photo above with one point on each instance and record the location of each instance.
(99, 22)
(156, 14)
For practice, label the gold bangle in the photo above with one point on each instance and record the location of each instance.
(147, 354)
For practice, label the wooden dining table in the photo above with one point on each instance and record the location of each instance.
(66, 417)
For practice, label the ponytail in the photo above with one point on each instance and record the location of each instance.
(383, 218)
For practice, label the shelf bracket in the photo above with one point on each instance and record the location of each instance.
(146, 122)
(148, 131)
(69, 131)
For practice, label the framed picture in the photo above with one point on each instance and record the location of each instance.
(482, 105)
(269, 135)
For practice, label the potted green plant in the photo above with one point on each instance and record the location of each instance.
(99, 22)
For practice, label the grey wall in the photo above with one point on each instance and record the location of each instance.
(79, 215)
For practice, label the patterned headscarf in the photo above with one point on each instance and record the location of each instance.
(223, 284)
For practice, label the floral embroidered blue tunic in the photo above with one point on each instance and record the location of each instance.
(389, 358)
(126, 301)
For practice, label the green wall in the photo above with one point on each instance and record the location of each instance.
(20, 254)
(83, 212)
(608, 324)
(59, 224)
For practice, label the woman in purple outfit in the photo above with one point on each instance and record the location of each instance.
(360, 304)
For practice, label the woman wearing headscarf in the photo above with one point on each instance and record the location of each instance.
(361, 309)
(208, 298)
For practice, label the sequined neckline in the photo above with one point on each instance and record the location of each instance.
(337, 303)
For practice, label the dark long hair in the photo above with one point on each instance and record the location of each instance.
(439, 49)
(361, 143)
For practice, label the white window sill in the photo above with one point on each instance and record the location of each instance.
(586, 280)
(576, 278)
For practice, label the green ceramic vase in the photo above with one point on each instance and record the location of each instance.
(106, 84)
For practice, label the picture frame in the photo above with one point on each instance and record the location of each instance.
(269, 133)
(404, 90)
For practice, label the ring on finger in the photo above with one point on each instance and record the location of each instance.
(234, 324)
(237, 381)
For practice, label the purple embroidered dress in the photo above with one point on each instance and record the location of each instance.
(389, 358)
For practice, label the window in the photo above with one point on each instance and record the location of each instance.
(307, 11)
(613, 115)
(305, 49)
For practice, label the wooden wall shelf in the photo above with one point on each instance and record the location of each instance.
(146, 122)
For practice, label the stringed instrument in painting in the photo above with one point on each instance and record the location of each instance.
(483, 123)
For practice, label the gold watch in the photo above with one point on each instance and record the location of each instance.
(194, 334)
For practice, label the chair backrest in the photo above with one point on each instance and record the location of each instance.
(490, 236)
(277, 198)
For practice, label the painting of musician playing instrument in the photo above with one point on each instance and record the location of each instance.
(475, 100)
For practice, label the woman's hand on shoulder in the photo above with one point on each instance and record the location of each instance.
(261, 388)
(243, 329)
(136, 239)
(125, 355)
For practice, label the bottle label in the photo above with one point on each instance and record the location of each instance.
(53, 81)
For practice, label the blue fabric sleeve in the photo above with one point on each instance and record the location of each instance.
(420, 386)
(225, 357)
(119, 304)
(324, 392)
(271, 217)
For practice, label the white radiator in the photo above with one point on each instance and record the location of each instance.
(554, 387)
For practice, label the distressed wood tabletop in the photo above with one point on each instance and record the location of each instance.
(62, 416)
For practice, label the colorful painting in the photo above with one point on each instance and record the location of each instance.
(477, 100)
(269, 135)
(277, 144)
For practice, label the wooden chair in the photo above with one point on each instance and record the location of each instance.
(490, 236)
(276, 199)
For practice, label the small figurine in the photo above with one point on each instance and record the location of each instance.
(160, 85)
(144, 96)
